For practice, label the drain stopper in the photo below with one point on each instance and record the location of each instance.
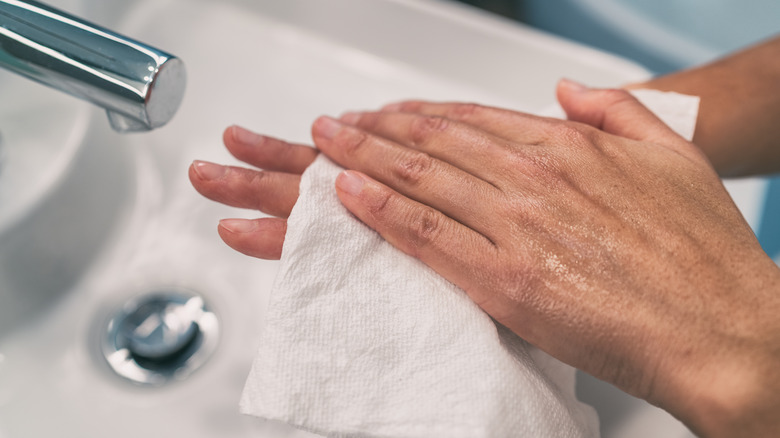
(159, 337)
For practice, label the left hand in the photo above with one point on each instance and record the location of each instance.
(273, 189)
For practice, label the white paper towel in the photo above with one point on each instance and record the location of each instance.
(363, 340)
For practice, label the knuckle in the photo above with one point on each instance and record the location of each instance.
(590, 145)
(410, 106)
(424, 126)
(543, 167)
(547, 172)
(378, 207)
(424, 227)
(518, 164)
(464, 111)
(256, 179)
(571, 134)
(578, 141)
(412, 168)
(352, 140)
(367, 121)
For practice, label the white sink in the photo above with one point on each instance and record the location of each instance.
(122, 219)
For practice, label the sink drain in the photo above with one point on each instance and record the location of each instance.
(160, 337)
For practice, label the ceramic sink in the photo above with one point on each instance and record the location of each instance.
(117, 218)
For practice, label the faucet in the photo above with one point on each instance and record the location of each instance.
(140, 87)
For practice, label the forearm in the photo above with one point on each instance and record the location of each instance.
(739, 118)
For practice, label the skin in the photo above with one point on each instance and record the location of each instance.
(740, 107)
(606, 240)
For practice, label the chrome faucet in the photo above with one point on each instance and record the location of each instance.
(140, 87)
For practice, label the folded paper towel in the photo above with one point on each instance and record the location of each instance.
(363, 340)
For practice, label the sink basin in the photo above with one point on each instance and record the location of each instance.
(122, 220)
(32, 159)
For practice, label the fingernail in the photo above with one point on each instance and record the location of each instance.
(350, 118)
(209, 171)
(350, 182)
(326, 127)
(238, 225)
(573, 86)
(245, 136)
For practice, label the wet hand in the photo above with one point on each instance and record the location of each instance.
(608, 241)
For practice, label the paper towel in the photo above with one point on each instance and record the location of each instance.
(363, 340)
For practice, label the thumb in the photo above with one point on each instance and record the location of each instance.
(613, 111)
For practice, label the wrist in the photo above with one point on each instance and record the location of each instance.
(744, 403)
(733, 390)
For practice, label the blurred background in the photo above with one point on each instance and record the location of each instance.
(663, 36)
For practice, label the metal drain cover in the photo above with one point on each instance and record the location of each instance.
(160, 337)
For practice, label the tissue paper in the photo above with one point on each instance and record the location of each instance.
(363, 340)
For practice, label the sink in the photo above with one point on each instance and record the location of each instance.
(32, 159)
(121, 221)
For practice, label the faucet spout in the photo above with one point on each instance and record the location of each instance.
(140, 87)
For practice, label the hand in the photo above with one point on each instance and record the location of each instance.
(740, 105)
(272, 190)
(616, 250)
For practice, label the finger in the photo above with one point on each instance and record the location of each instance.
(616, 112)
(262, 238)
(273, 193)
(510, 125)
(266, 152)
(456, 252)
(470, 149)
(415, 174)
